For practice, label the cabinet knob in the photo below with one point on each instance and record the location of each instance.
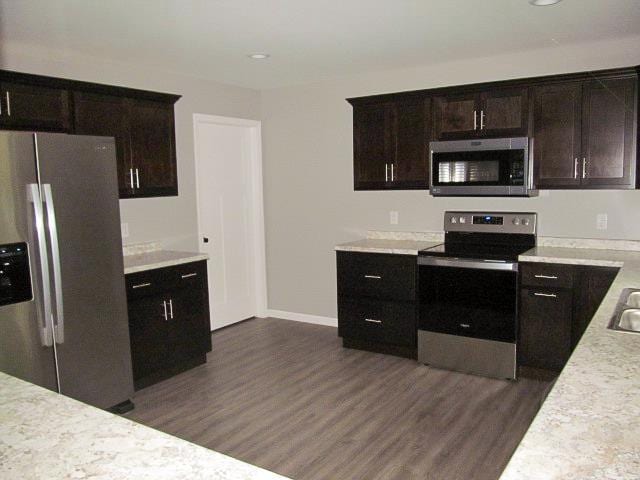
(205, 239)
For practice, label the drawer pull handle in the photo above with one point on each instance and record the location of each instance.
(549, 295)
(376, 277)
(465, 325)
(141, 285)
(187, 275)
(371, 320)
(550, 277)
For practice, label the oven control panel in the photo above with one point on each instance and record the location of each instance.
(491, 222)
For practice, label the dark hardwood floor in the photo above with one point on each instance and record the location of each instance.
(287, 397)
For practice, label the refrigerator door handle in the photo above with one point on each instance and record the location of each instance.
(46, 330)
(58, 329)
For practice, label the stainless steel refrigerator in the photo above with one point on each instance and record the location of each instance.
(63, 313)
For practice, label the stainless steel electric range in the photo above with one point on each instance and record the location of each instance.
(468, 314)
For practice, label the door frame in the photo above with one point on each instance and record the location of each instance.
(257, 197)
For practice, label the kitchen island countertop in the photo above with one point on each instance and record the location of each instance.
(47, 435)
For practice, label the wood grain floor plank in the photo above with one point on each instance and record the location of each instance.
(287, 397)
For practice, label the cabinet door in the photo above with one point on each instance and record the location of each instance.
(188, 325)
(593, 285)
(456, 116)
(557, 135)
(32, 107)
(153, 154)
(545, 328)
(411, 165)
(148, 330)
(504, 113)
(609, 132)
(108, 116)
(374, 145)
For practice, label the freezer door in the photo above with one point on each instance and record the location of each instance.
(80, 189)
(25, 337)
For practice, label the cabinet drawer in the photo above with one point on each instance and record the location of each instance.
(150, 282)
(376, 321)
(547, 275)
(143, 284)
(376, 275)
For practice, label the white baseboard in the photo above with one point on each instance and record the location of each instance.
(303, 317)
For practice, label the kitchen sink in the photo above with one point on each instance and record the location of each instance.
(633, 299)
(630, 320)
(627, 315)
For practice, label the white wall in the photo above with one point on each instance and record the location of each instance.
(310, 202)
(170, 220)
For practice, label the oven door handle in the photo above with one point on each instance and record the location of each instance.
(476, 264)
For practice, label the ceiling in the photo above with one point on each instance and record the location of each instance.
(308, 40)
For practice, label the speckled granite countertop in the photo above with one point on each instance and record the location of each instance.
(46, 435)
(589, 426)
(159, 259)
(385, 245)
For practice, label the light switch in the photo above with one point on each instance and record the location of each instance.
(393, 217)
(124, 230)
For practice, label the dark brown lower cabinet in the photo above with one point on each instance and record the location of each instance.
(545, 329)
(168, 321)
(593, 285)
(377, 302)
(556, 305)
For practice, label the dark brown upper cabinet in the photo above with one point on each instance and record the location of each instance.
(153, 149)
(33, 107)
(501, 112)
(107, 115)
(585, 134)
(145, 140)
(557, 113)
(390, 142)
(583, 128)
(141, 122)
(609, 135)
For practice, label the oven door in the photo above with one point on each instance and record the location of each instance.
(494, 167)
(468, 298)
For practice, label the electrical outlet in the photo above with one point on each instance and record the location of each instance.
(601, 221)
(124, 230)
(393, 217)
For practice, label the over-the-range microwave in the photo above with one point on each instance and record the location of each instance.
(494, 167)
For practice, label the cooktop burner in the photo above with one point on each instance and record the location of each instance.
(486, 235)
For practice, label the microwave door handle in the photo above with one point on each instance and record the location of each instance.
(46, 330)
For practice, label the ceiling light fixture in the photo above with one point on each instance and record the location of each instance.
(259, 56)
(543, 3)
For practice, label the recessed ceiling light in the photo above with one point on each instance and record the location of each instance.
(259, 56)
(543, 3)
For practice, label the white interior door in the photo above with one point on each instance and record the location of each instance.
(229, 190)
